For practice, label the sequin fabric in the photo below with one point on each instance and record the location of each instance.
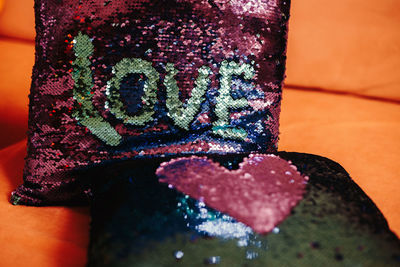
(260, 194)
(138, 221)
(116, 79)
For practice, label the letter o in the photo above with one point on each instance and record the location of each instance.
(121, 70)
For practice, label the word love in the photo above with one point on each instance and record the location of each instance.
(181, 114)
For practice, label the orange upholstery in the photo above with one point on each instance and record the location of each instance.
(16, 61)
(17, 19)
(348, 46)
(48, 236)
(1, 5)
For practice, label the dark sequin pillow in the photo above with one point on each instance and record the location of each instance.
(334, 224)
(118, 79)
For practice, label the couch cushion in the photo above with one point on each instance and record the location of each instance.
(17, 19)
(51, 236)
(16, 61)
(344, 45)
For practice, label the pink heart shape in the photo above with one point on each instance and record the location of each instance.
(260, 194)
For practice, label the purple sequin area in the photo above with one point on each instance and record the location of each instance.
(189, 34)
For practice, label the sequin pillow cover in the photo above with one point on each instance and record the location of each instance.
(288, 209)
(116, 80)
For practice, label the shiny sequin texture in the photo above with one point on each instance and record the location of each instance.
(116, 80)
(260, 194)
(139, 221)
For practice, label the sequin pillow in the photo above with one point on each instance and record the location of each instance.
(117, 80)
(334, 223)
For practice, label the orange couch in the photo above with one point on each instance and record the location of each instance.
(341, 101)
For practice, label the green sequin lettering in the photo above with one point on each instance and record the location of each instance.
(181, 116)
(133, 66)
(225, 101)
(85, 112)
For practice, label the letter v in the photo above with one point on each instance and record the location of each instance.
(181, 116)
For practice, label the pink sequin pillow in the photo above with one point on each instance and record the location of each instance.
(117, 80)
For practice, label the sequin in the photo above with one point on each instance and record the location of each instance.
(256, 198)
(117, 80)
(178, 254)
(334, 224)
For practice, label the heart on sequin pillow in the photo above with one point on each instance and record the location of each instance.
(260, 194)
